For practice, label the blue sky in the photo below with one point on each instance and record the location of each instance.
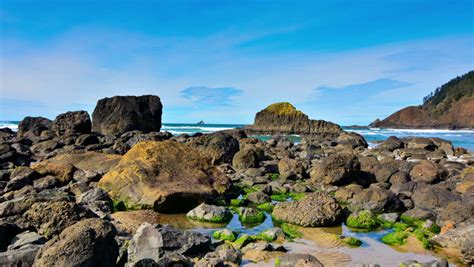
(222, 61)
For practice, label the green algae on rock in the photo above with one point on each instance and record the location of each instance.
(225, 234)
(351, 241)
(396, 238)
(250, 216)
(210, 213)
(365, 220)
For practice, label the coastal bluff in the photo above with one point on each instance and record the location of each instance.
(284, 118)
(451, 106)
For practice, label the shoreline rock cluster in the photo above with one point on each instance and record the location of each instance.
(60, 183)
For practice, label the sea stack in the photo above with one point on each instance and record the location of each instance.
(284, 118)
(121, 114)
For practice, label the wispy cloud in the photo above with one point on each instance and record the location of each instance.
(201, 95)
(353, 92)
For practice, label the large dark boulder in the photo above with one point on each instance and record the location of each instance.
(121, 114)
(433, 197)
(33, 126)
(337, 169)
(72, 122)
(220, 146)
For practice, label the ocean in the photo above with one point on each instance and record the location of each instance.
(459, 138)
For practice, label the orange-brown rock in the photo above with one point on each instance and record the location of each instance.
(167, 176)
(64, 166)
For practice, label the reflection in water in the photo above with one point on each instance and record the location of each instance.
(322, 242)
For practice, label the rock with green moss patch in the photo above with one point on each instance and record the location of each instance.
(225, 234)
(270, 234)
(244, 240)
(268, 207)
(284, 118)
(291, 231)
(118, 206)
(400, 226)
(351, 241)
(396, 238)
(210, 213)
(279, 197)
(250, 216)
(238, 202)
(363, 220)
(274, 176)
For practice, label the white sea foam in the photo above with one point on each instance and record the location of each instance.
(10, 125)
(431, 131)
(194, 128)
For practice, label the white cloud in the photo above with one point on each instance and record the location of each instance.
(83, 66)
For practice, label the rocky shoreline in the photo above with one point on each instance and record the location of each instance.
(81, 192)
(451, 106)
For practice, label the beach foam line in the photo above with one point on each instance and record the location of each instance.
(13, 127)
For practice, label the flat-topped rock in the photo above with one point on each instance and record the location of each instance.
(284, 118)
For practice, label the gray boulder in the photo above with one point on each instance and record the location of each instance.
(210, 213)
(160, 242)
(315, 210)
(89, 242)
(298, 259)
(337, 169)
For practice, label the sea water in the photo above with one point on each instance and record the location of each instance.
(459, 138)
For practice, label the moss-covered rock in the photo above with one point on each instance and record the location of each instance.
(291, 231)
(270, 234)
(225, 234)
(238, 202)
(279, 197)
(251, 216)
(284, 118)
(363, 220)
(400, 226)
(351, 241)
(244, 240)
(118, 206)
(396, 238)
(210, 213)
(268, 207)
(273, 176)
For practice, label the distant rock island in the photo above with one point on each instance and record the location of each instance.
(450, 106)
(201, 123)
(284, 118)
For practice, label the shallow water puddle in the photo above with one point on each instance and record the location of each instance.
(322, 242)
